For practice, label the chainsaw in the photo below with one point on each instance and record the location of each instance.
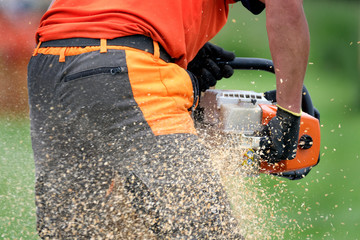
(245, 114)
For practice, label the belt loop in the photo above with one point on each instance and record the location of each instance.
(103, 45)
(156, 51)
(62, 55)
(37, 49)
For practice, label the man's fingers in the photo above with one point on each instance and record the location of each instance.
(227, 71)
(214, 69)
(205, 67)
(210, 79)
(226, 55)
(221, 54)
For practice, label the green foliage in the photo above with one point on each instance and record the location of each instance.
(17, 200)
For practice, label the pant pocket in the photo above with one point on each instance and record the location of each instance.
(95, 71)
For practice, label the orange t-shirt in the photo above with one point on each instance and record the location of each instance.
(182, 27)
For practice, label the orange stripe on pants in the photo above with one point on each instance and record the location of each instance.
(163, 91)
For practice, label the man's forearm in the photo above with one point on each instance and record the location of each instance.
(289, 43)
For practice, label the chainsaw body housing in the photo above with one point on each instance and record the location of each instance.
(247, 112)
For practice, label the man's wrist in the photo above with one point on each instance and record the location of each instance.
(289, 111)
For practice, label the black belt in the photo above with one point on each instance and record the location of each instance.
(135, 41)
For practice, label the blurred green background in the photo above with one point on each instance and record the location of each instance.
(324, 205)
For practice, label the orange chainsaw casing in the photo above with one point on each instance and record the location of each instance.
(310, 126)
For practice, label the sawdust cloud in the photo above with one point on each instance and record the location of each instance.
(257, 212)
(134, 210)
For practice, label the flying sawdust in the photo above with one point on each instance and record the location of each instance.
(257, 213)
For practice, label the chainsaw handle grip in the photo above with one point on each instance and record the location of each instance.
(250, 64)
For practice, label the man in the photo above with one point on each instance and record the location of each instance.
(116, 151)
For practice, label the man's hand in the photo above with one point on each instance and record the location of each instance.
(205, 68)
(281, 137)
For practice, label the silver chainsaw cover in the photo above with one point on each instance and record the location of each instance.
(233, 111)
